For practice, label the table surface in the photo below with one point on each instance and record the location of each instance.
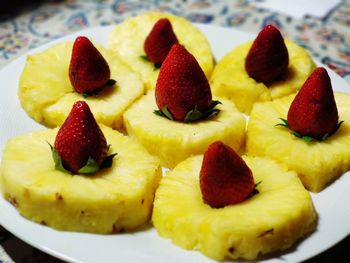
(21, 29)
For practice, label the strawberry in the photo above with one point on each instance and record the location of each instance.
(88, 70)
(182, 90)
(313, 111)
(80, 140)
(267, 59)
(159, 41)
(225, 179)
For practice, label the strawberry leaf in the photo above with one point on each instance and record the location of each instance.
(283, 124)
(110, 83)
(296, 134)
(58, 160)
(156, 66)
(90, 167)
(108, 161)
(255, 190)
(193, 115)
(306, 138)
(145, 58)
(164, 112)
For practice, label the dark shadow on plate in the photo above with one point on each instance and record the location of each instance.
(338, 253)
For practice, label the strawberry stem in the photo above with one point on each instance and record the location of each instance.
(192, 115)
(90, 167)
(307, 138)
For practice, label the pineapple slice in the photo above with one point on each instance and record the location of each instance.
(272, 220)
(317, 163)
(116, 199)
(128, 38)
(46, 94)
(174, 141)
(230, 79)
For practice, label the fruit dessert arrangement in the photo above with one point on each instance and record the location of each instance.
(86, 176)
(231, 207)
(261, 70)
(143, 42)
(190, 119)
(313, 137)
(113, 193)
(54, 79)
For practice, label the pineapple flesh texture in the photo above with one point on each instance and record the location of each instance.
(128, 39)
(230, 79)
(270, 221)
(174, 141)
(46, 94)
(114, 199)
(317, 163)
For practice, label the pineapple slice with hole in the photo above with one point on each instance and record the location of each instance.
(46, 94)
(230, 79)
(174, 141)
(317, 163)
(128, 38)
(272, 220)
(114, 199)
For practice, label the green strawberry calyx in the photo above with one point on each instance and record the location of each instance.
(110, 83)
(156, 66)
(255, 190)
(307, 138)
(192, 115)
(90, 167)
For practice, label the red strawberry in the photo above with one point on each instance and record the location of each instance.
(182, 85)
(225, 179)
(313, 111)
(267, 59)
(159, 41)
(88, 70)
(80, 138)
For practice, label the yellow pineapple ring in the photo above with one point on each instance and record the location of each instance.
(272, 220)
(230, 79)
(46, 94)
(114, 199)
(128, 38)
(174, 141)
(317, 163)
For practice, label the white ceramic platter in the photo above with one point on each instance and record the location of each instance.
(332, 204)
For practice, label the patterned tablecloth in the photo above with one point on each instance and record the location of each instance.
(21, 29)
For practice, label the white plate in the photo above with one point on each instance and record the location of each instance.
(332, 204)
